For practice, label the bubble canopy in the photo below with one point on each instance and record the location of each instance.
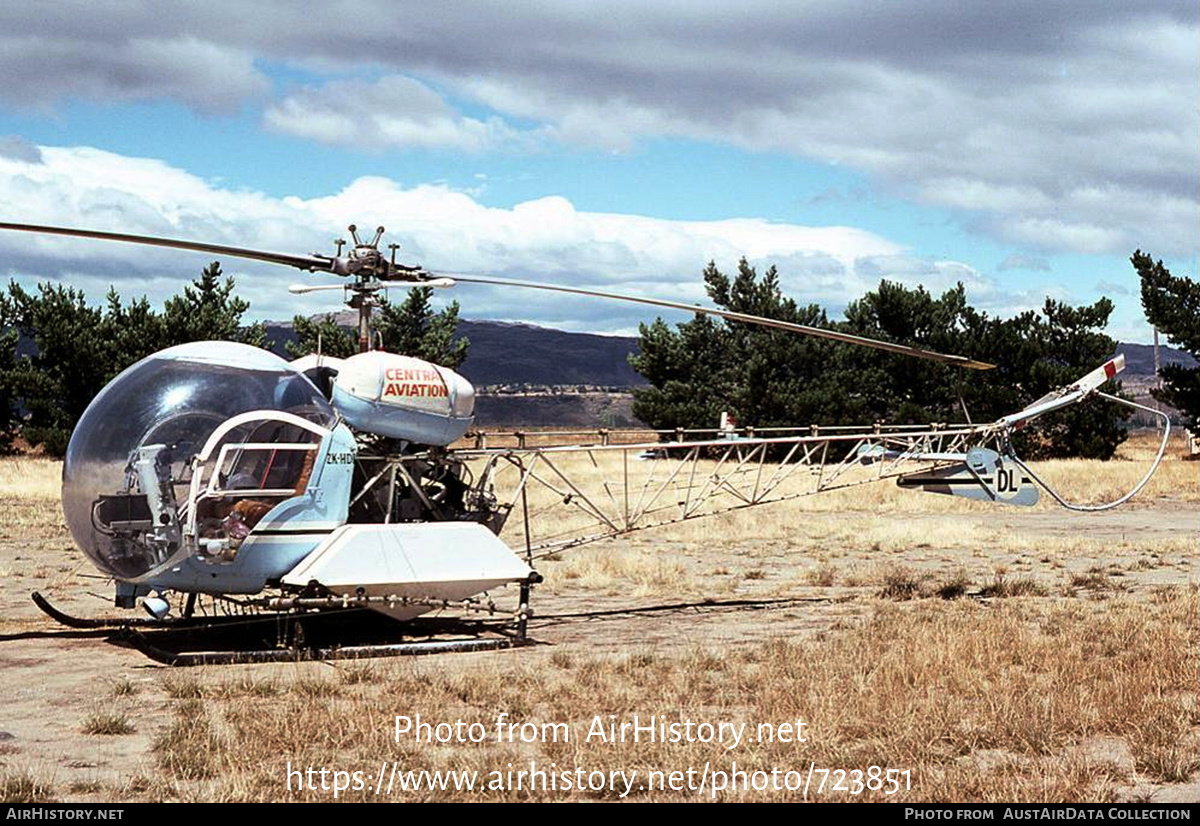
(128, 464)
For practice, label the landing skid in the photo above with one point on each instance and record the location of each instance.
(269, 637)
(301, 654)
(63, 618)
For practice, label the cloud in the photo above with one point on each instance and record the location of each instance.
(544, 239)
(40, 70)
(1068, 126)
(1016, 261)
(1109, 287)
(19, 149)
(392, 112)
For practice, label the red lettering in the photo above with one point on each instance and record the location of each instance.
(429, 391)
(403, 374)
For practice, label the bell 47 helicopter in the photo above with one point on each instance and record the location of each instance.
(300, 493)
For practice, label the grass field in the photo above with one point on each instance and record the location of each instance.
(977, 654)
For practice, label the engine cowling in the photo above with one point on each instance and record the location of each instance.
(403, 398)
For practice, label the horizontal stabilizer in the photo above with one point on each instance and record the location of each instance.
(985, 476)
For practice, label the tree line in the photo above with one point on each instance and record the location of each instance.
(57, 351)
(773, 378)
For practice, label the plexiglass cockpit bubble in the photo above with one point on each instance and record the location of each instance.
(128, 467)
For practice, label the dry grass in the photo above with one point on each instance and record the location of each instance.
(24, 787)
(356, 673)
(901, 584)
(978, 703)
(121, 687)
(30, 479)
(1096, 579)
(981, 700)
(601, 478)
(183, 686)
(107, 723)
(1002, 586)
(190, 748)
(635, 571)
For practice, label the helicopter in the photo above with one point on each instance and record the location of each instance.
(296, 492)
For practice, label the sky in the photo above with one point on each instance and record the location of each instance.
(1025, 149)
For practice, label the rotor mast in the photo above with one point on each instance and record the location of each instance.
(370, 269)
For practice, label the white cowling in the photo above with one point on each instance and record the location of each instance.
(404, 398)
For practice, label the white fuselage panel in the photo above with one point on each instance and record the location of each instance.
(418, 560)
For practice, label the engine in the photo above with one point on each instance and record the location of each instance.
(405, 412)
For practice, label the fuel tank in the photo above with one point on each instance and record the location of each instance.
(403, 398)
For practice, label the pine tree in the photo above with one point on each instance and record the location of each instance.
(325, 336)
(769, 377)
(764, 377)
(72, 363)
(79, 348)
(414, 329)
(1172, 304)
(209, 310)
(8, 392)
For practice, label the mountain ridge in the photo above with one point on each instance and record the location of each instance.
(518, 353)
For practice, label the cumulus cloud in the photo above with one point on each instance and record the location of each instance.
(1066, 126)
(392, 112)
(445, 230)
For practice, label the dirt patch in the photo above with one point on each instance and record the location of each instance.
(670, 601)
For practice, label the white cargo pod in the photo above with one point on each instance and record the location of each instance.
(421, 561)
(404, 398)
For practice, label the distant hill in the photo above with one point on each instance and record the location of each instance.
(505, 353)
(1139, 358)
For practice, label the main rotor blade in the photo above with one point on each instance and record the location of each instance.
(312, 263)
(961, 361)
(315, 263)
